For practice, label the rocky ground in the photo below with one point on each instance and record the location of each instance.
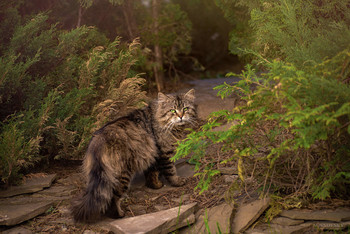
(44, 208)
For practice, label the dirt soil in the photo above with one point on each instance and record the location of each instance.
(139, 200)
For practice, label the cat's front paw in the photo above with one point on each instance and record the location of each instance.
(154, 184)
(177, 181)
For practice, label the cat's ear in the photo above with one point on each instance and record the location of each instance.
(162, 97)
(190, 95)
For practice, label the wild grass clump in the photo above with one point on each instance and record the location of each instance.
(291, 133)
(56, 87)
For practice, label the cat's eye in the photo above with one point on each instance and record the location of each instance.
(186, 109)
(173, 110)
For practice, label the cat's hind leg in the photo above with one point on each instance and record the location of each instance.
(168, 169)
(152, 178)
(115, 210)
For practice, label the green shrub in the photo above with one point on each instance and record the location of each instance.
(291, 133)
(294, 31)
(174, 36)
(51, 86)
(20, 139)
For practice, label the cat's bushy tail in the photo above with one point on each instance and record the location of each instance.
(100, 183)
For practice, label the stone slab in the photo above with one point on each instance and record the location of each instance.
(31, 185)
(218, 216)
(13, 214)
(187, 222)
(59, 191)
(324, 225)
(247, 214)
(306, 227)
(284, 221)
(265, 228)
(158, 222)
(325, 215)
(17, 230)
(275, 228)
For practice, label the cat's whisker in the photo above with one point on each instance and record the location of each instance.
(192, 122)
(171, 126)
(168, 127)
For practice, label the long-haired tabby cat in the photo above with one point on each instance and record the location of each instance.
(141, 141)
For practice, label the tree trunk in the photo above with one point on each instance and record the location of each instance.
(158, 66)
(130, 20)
(80, 14)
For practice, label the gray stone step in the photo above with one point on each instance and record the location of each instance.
(215, 219)
(31, 185)
(13, 214)
(159, 222)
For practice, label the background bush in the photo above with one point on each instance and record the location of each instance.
(290, 132)
(52, 87)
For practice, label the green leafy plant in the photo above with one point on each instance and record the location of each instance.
(20, 139)
(73, 72)
(285, 135)
(299, 32)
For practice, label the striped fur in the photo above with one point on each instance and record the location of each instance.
(144, 140)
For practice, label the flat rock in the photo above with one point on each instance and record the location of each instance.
(324, 215)
(276, 228)
(159, 222)
(308, 227)
(59, 191)
(284, 221)
(325, 225)
(31, 185)
(247, 214)
(17, 230)
(218, 216)
(187, 222)
(13, 214)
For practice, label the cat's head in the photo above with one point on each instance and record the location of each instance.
(176, 110)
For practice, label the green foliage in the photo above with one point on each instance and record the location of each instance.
(20, 139)
(295, 31)
(52, 82)
(291, 129)
(279, 203)
(210, 32)
(174, 35)
(291, 133)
